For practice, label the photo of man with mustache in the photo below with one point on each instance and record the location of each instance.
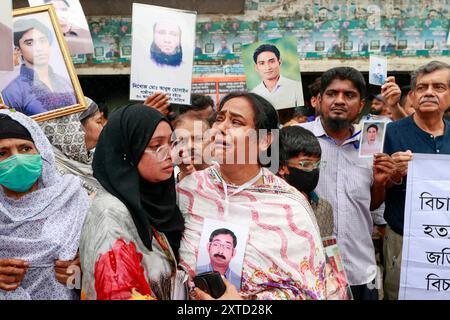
(221, 249)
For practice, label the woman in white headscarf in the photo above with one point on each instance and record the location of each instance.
(41, 214)
(74, 138)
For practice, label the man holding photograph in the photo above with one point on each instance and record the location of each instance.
(37, 88)
(282, 92)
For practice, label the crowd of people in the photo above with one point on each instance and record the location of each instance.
(98, 206)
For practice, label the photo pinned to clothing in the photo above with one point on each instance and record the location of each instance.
(222, 249)
(44, 84)
(377, 70)
(6, 45)
(372, 138)
(73, 24)
(163, 44)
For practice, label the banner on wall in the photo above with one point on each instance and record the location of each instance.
(223, 40)
(323, 29)
(302, 30)
(409, 40)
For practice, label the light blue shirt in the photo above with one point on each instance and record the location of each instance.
(229, 275)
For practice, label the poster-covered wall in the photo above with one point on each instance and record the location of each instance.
(336, 29)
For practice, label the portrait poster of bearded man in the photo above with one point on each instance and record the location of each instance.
(163, 45)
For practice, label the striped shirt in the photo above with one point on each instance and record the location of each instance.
(345, 181)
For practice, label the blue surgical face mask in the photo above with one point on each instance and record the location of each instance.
(19, 172)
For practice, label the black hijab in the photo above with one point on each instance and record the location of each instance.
(119, 149)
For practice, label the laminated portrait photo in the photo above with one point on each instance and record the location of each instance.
(372, 138)
(222, 249)
(272, 71)
(6, 45)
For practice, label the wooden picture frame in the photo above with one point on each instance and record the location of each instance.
(24, 90)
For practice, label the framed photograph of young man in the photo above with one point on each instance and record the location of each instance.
(222, 249)
(163, 44)
(44, 84)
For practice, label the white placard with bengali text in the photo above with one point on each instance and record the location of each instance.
(425, 270)
(163, 41)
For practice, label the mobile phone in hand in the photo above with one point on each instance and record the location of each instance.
(210, 282)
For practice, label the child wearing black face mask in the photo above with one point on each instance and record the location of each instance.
(300, 165)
